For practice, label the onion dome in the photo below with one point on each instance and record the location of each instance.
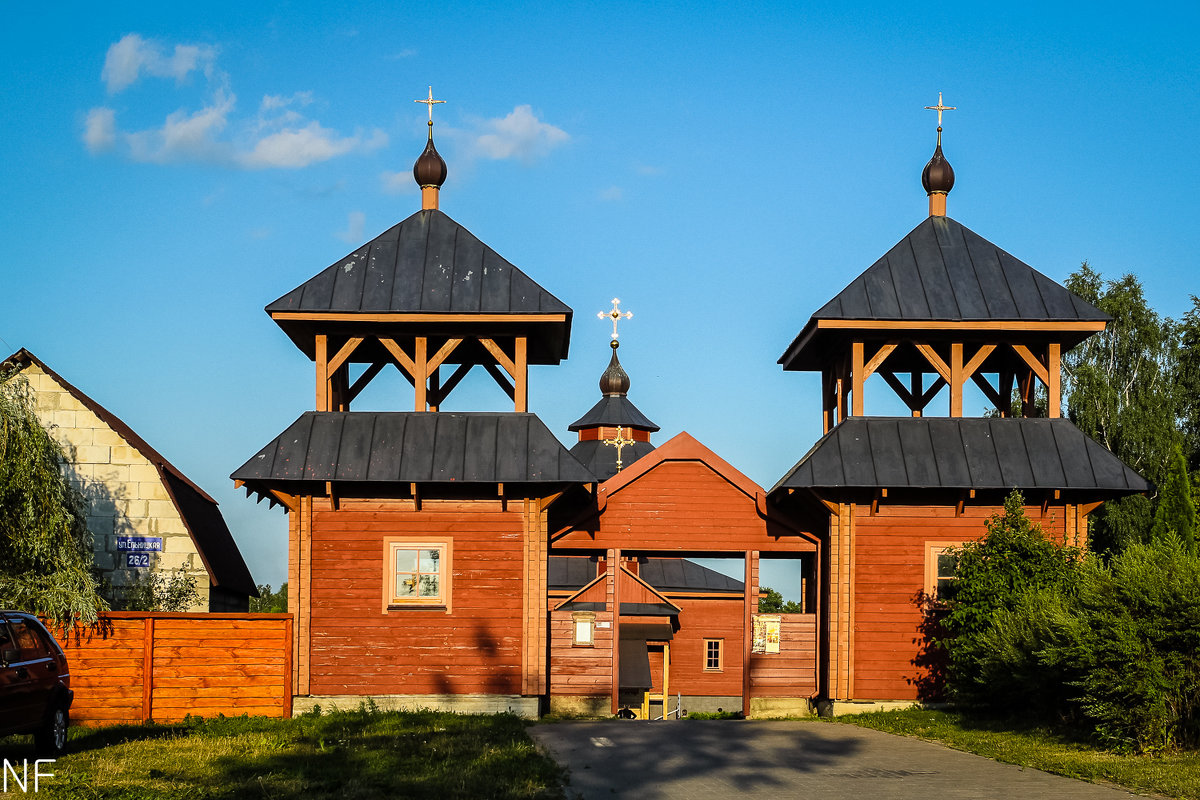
(430, 169)
(614, 381)
(938, 175)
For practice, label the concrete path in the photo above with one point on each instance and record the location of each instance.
(722, 759)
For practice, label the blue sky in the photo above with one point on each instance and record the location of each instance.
(724, 169)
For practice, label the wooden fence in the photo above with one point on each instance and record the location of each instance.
(134, 666)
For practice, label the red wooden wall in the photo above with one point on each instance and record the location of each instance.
(359, 650)
(792, 672)
(135, 666)
(889, 553)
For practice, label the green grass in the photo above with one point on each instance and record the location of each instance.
(361, 754)
(1043, 747)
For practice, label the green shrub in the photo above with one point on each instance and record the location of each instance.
(1137, 647)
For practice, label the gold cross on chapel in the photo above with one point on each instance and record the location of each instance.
(620, 442)
(616, 316)
(940, 108)
(431, 103)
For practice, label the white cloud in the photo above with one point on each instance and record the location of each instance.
(132, 56)
(100, 130)
(647, 169)
(299, 147)
(519, 135)
(401, 182)
(355, 222)
(186, 137)
(612, 193)
(279, 136)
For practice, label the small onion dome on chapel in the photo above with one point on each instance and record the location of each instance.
(938, 175)
(614, 382)
(430, 169)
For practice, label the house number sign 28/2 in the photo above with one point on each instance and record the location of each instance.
(137, 549)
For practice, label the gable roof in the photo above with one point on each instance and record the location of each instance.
(426, 264)
(947, 452)
(681, 447)
(942, 271)
(199, 511)
(414, 447)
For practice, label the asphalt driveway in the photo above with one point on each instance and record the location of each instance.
(723, 759)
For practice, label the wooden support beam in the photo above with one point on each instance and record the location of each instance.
(932, 391)
(900, 389)
(501, 379)
(521, 375)
(1054, 380)
(1026, 384)
(1088, 508)
(421, 362)
(460, 372)
(988, 392)
(832, 508)
(957, 378)
(935, 361)
(917, 381)
(827, 407)
(876, 361)
(976, 361)
(501, 357)
(360, 384)
(1004, 388)
(322, 364)
(333, 502)
(344, 353)
(405, 363)
(1033, 362)
(441, 355)
(289, 501)
(857, 379)
(416, 497)
(433, 394)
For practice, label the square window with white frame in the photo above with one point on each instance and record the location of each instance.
(416, 573)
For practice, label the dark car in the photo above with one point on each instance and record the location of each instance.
(35, 684)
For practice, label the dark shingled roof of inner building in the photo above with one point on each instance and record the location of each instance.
(944, 271)
(413, 447)
(601, 459)
(614, 410)
(941, 452)
(426, 264)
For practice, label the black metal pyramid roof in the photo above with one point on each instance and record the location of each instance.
(944, 271)
(614, 410)
(414, 447)
(951, 452)
(425, 264)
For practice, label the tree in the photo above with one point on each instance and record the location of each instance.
(269, 602)
(1121, 390)
(1187, 384)
(1176, 514)
(772, 602)
(156, 591)
(993, 577)
(46, 562)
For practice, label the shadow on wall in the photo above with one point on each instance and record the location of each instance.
(931, 660)
(148, 586)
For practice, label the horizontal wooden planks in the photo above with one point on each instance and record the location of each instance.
(890, 552)
(357, 648)
(792, 672)
(201, 664)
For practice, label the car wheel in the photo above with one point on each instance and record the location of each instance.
(51, 739)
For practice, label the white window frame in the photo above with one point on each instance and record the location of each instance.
(392, 602)
(932, 551)
(583, 622)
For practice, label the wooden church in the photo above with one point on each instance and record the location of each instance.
(470, 561)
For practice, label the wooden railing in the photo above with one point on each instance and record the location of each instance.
(134, 666)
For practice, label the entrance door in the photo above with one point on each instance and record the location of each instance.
(659, 654)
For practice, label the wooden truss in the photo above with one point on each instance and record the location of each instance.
(951, 364)
(506, 360)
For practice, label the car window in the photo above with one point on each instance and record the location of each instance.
(31, 646)
(6, 641)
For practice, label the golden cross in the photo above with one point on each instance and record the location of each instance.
(615, 315)
(938, 108)
(620, 442)
(431, 103)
